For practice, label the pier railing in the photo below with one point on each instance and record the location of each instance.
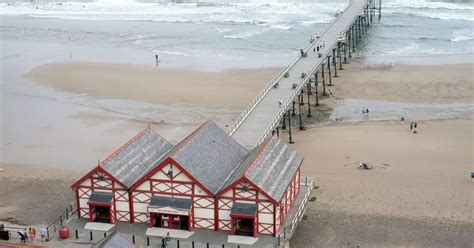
(303, 81)
(286, 232)
(277, 78)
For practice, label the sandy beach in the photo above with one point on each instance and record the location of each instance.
(419, 181)
(229, 89)
(418, 193)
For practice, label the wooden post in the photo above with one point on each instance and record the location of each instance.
(309, 108)
(329, 71)
(339, 55)
(90, 235)
(77, 234)
(353, 37)
(316, 87)
(289, 127)
(299, 115)
(345, 54)
(324, 83)
(334, 61)
(293, 114)
(283, 127)
(309, 87)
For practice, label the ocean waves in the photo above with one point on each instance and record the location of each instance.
(276, 14)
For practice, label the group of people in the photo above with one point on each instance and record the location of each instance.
(30, 236)
(413, 125)
(319, 48)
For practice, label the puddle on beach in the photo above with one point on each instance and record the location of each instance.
(350, 110)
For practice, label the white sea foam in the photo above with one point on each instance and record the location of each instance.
(174, 53)
(426, 4)
(253, 12)
(223, 30)
(245, 35)
(462, 35)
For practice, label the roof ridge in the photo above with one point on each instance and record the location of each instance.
(254, 162)
(133, 139)
(187, 139)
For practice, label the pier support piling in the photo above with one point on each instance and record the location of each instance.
(329, 71)
(299, 116)
(324, 83)
(316, 87)
(289, 127)
(283, 126)
(293, 114)
(309, 108)
(334, 61)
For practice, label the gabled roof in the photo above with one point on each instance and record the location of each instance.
(270, 166)
(137, 157)
(209, 154)
(273, 167)
(115, 240)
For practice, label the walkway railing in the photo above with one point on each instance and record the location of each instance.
(287, 231)
(302, 82)
(277, 78)
(57, 223)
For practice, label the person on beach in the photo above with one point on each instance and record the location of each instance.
(302, 53)
(415, 125)
(23, 236)
(156, 58)
(330, 93)
(32, 234)
(43, 233)
(411, 125)
(280, 101)
(314, 49)
(367, 111)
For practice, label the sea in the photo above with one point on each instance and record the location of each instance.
(217, 34)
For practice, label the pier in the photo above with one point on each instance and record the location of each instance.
(313, 68)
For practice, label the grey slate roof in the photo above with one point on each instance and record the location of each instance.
(177, 203)
(210, 155)
(137, 157)
(239, 170)
(244, 208)
(103, 197)
(114, 240)
(275, 166)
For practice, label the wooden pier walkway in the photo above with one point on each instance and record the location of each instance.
(264, 114)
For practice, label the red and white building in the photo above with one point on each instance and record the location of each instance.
(207, 181)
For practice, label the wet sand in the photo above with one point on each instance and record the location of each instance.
(231, 89)
(408, 83)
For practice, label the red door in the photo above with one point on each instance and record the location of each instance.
(170, 221)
